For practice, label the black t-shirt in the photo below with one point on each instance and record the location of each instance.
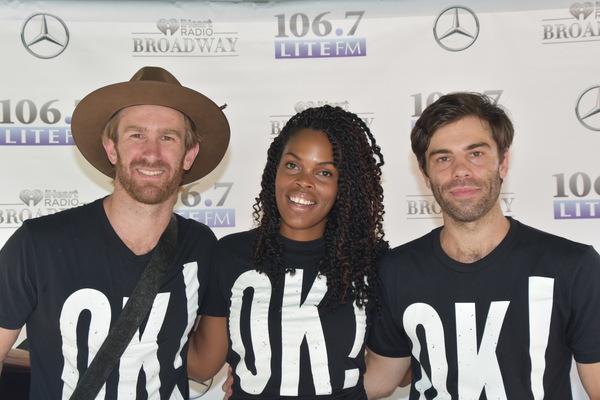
(504, 327)
(281, 343)
(68, 276)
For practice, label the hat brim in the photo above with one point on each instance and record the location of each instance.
(95, 110)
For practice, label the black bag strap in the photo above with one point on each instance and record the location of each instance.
(134, 312)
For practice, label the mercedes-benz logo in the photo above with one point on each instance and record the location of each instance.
(45, 35)
(456, 28)
(588, 108)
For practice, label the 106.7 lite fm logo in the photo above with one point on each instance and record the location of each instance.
(215, 214)
(315, 36)
(420, 206)
(574, 196)
(21, 123)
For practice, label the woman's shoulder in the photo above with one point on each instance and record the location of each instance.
(237, 240)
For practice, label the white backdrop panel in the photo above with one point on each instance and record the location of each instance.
(538, 58)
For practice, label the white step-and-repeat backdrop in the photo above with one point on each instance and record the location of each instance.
(383, 60)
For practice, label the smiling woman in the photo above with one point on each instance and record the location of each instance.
(306, 185)
(294, 293)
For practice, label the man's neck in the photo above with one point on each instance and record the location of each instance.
(138, 225)
(468, 242)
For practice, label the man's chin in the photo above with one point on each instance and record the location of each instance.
(150, 195)
(151, 192)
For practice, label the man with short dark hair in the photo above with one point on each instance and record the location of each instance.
(69, 275)
(484, 306)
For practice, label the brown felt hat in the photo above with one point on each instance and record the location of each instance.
(152, 86)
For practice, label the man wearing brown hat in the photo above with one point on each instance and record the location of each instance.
(69, 276)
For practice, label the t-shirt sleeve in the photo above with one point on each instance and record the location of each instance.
(17, 280)
(204, 258)
(585, 329)
(214, 303)
(386, 336)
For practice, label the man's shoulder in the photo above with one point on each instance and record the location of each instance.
(557, 253)
(410, 255)
(419, 244)
(63, 218)
(193, 227)
(195, 235)
(53, 229)
(238, 238)
(239, 243)
(535, 237)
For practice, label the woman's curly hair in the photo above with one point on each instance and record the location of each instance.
(354, 237)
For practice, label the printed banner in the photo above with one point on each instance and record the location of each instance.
(383, 60)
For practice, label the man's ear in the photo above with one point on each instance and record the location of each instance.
(425, 178)
(111, 150)
(190, 156)
(503, 170)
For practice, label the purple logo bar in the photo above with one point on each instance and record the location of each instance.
(40, 136)
(215, 218)
(576, 209)
(320, 48)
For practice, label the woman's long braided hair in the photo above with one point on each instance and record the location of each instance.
(354, 237)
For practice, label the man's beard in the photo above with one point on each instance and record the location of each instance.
(148, 192)
(469, 209)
